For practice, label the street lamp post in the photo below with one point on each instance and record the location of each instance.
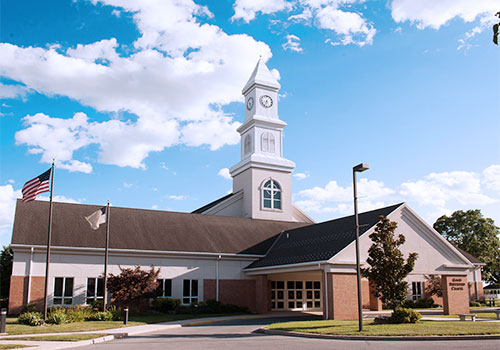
(357, 169)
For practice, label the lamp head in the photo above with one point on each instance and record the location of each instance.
(361, 167)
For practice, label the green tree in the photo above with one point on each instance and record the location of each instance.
(132, 285)
(477, 235)
(5, 271)
(388, 268)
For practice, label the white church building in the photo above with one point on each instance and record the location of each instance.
(252, 248)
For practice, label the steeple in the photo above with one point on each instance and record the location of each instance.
(263, 174)
(261, 76)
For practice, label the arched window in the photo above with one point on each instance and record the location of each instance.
(267, 142)
(271, 195)
(248, 144)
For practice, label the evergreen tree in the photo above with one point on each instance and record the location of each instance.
(5, 271)
(388, 268)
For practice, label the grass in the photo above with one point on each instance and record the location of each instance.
(63, 337)
(12, 346)
(14, 328)
(489, 315)
(425, 328)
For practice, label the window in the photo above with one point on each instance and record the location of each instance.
(292, 295)
(267, 142)
(164, 289)
(271, 195)
(95, 289)
(248, 148)
(190, 291)
(416, 290)
(63, 291)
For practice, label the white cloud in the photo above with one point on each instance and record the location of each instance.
(62, 199)
(434, 14)
(224, 172)
(492, 177)
(301, 176)
(56, 138)
(127, 185)
(8, 198)
(247, 9)
(116, 13)
(292, 43)
(174, 83)
(434, 195)
(154, 206)
(13, 91)
(177, 197)
(11, 181)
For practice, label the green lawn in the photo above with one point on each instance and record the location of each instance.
(64, 337)
(425, 328)
(14, 328)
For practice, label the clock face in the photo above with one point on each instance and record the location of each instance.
(250, 103)
(266, 101)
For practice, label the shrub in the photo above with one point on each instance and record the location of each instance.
(31, 318)
(57, 317)
(117, 313)
(77, 313)
(31, 307)
(402, 315)
(100, 316)
(422, 303)
(97, 305)
(474, 303)
(166, 305)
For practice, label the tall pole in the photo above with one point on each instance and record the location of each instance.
(106, 261)
(49, 238)
(358, 168)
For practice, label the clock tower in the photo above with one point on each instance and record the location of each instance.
(263, 175)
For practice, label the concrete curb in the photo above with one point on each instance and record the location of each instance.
(385, 338)
(54, 345)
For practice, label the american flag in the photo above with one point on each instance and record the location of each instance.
(39, 184)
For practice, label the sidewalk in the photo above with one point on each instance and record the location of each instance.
(116, 333)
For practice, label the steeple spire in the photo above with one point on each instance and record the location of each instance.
(261, 76)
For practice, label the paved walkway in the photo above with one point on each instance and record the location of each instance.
(116, 333)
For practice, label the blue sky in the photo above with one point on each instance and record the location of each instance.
(139, 101)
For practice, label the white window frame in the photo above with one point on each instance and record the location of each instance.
(247, 144)
(190, 297)
(96, 289)
(63, 297)
(273, 198)
(417, 290)
(267, 142)
(162, 281)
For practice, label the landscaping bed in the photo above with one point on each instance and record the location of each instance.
(424, 328)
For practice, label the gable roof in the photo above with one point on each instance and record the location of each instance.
(319, 242)
(470, 257)
(212, 204)
(141, 229)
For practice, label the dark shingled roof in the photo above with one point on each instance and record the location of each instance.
(469, 257)
(319, 242)
(212, 204)
(145, 229)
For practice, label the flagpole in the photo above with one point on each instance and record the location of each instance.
(49, 237)
(106, 260)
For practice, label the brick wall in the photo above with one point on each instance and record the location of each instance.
(455, 294)
(375, 303)
(18, 295)
(365, 294)
(343, 296)
(237, 292)
(476, 291)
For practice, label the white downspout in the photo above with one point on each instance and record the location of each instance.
(29, 274)
(217, 278)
